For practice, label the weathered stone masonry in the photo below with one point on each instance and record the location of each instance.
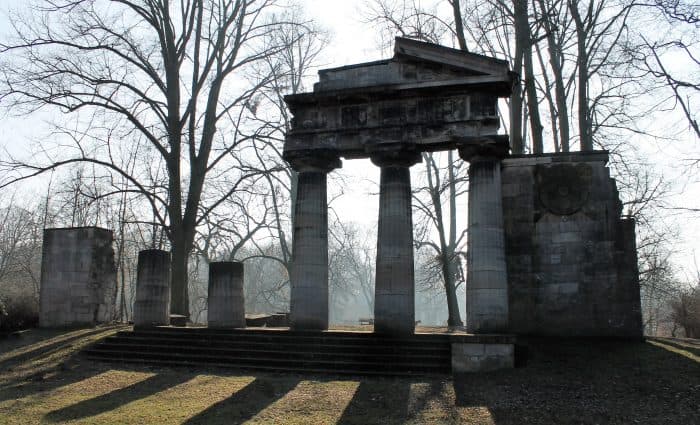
(78, 277)
(152, 304)
(225, 298)
(548, 253)
(572, 265)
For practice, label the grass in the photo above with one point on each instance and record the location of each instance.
(44, 380)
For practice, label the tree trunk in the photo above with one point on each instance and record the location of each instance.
(583, 113)
(524, 40)
(553, 117)
(454, 318)
(459, 26)
(516, 98)
(447, 247)
(179, 301)
(448, 270)
(556, 61)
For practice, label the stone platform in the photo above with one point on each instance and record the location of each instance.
(334, 351)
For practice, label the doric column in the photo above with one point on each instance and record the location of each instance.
(152, 304)
(487, 282)
(394, 306)
(309, 268)
(226, 302)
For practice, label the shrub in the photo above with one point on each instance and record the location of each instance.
(18, 312)
(685, 311)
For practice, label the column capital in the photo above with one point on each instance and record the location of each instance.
(487, 148)
(396, 158)
(313, 160)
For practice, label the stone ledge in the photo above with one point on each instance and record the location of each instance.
(548, 158)
(466, 338)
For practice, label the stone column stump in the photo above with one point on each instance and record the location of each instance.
(226, 302)
(78, 277)
(152, 305)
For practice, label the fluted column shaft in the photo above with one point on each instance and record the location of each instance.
(487, 282)
(309, 268)
(487, 279)
(394, 303)
(226, 302)
(309, 274)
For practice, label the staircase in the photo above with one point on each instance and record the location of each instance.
(336, 352)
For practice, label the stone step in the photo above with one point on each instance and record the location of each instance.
(253, 362)
(336, 345)
(272, 352)
(280, 350)
(284, 333)
(258, 367)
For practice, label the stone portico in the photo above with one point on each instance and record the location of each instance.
(426, 98)
(548, 251)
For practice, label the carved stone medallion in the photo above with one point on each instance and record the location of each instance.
(563, 189)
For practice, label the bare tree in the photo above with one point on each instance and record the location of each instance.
(671, 59)
(20, 249)
(352, 262)
(436, 202)
(685, 311)
(174, 74)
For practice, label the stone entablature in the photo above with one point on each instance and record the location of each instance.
(426, 98)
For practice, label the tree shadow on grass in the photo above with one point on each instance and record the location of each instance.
(120, 397)
(378, 402)
(588, 381)
(46, 342)
(246, 402)
(45, 380)
(48, 364)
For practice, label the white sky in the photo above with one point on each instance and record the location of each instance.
(354, 42)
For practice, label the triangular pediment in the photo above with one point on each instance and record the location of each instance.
(457, 60)
(416, 63)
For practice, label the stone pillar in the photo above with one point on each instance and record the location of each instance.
(309, 268)
(152, 305)
(225, 298)
(78, 277)
(487, 282)
(394, 297)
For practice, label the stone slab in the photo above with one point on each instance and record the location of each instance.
(469, 357)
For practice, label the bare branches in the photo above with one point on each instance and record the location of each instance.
(180, 75)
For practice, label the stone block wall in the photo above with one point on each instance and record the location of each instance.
(571, 258)
(78, 277)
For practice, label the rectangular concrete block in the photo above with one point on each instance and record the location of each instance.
(470, 349)
(481, 357)
(78, 277)
(502, 350)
